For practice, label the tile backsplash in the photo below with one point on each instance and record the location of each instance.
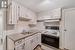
(19, 27)
(22, 25)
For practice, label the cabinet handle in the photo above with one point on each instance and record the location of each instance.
(65, 30)
(20, 41)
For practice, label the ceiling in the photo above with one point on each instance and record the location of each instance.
(44, 5)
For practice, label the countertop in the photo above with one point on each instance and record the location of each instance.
(18, 36)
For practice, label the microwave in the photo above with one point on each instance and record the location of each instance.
(52, 27)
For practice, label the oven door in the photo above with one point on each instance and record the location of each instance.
(50, 40)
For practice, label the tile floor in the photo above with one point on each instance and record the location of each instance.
(45, 47)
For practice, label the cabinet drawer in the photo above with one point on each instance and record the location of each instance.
(20, 46)
(19, 42)
(28, 38)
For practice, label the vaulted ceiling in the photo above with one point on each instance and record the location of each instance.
(43, 5)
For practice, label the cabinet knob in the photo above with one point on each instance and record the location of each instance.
(65, 29)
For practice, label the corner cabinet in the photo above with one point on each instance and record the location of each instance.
(12, 13)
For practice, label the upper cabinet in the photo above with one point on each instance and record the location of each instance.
(44, 15)
(53, 14)
(24, 13)
(16, 12)
(27, 15)
(34, 18)
(12, 13)
(56, 13)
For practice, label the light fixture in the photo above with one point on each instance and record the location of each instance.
(46, 2)
(3, 4)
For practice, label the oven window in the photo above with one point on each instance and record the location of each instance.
(52, 27)
(50, 40)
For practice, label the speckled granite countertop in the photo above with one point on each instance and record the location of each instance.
(18, 36)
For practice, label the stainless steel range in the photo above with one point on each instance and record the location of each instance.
(51, 37)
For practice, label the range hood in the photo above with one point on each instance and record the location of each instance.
(24, 19)
(49, 20)
(55, 20)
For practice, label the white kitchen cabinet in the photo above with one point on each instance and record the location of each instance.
(24, 43)
(33, 20)
(52, 14)
(44, 15)
(28, 43)
(12, 12)
(39, 38)
(18, 45)
(32, 41)
(56, 13)
(35, 40)
(24, 13)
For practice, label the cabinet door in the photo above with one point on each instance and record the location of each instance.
(20, 47)
(15, 13)
(56, 13)
(39, 38)
(35, 41)
(12, 13)
(33, 18)
(29, 14)
(46, 15)
(31, 42)
(21, 11)
(28, 44)
(24, 12)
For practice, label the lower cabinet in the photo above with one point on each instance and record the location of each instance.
(28, 43)
(32, 41)
(20, 47)
(39, 38)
